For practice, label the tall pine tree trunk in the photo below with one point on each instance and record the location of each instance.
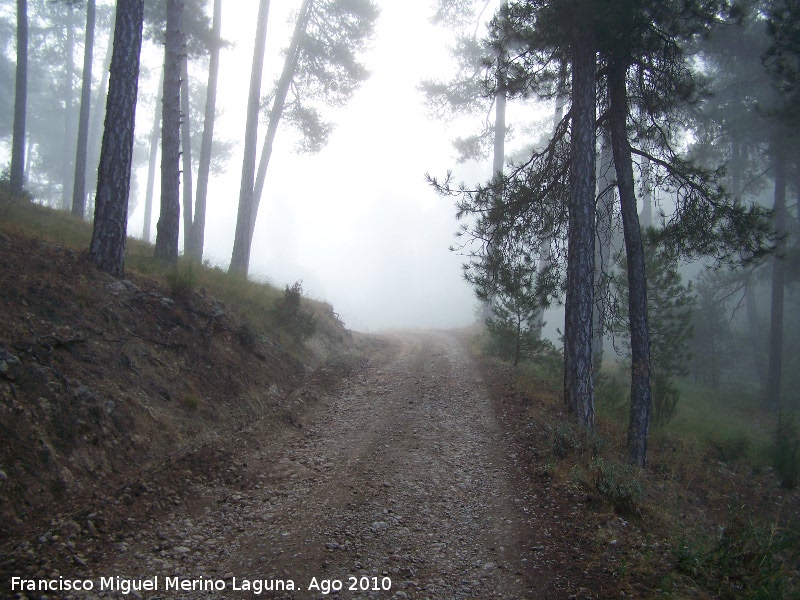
(545, 252)
(275, 114)
(641, 399)
(151, 166)
(68, 169)
(20, 100)
(578, 379)
(773, 391)
(240, 257)
(96, 126)
(107, 249)
(751, 308)
(754, 328)
(79, 186)
(168, 227)
(498, 152)
(498, 163)
(605, 209)
(186, 151)
(197, 241)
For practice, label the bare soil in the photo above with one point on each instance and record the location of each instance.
(400, 482)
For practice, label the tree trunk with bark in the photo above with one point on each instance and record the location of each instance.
(275, 114)
(168, 227)
(186, 151)
(151, 166)
(20, 100)
(772, 393)
(197, 241)
(578, 379)
(96, 126)
(606, 190)
(107, 249)
(641, 399)
(68, 169)
(754, 328)
(498, 154)
(240, 257)
(79, 185)
(498, 162)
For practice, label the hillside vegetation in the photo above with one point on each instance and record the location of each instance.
(102, 378)
(708, 518)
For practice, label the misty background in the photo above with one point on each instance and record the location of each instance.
(356, 222)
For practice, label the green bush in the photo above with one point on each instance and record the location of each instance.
(665, 399)
(289, 314)
(247, 334)
(610, 391)
(747, 559)
(182, 280)
(619, 485)
(570, 439)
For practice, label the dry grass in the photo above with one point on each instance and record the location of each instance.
(253, 299)
(707, 519)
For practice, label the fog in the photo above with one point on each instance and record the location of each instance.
(356, 223)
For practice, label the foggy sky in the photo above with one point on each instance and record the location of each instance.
(356, 222)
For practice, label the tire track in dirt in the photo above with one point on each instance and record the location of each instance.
(402, 474)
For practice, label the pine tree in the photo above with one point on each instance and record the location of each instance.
(79, 186)
(321, 65)
(240, 259)
(195, 249)
(20, 100)
(107, 249)
(669, 314)
(168, 225)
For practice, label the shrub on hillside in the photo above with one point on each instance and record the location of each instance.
(288, 312)
(182, 280)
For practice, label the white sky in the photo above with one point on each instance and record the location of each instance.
(356, 222)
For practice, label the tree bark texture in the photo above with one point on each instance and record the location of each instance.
(240, 257)
(79, 184)
(20, 100)
(641, 399)
(151, 166)
(775, 365)
(198, 227)
(168, 227)
(578, 379)
(107, 249)
(186, 151)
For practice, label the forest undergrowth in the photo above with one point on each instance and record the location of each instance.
(708, 518)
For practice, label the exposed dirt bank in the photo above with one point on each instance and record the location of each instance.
(400, 481)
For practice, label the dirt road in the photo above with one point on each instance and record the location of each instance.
(399, 485)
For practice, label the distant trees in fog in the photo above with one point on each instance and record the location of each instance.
(665, 137)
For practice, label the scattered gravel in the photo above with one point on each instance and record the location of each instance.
(400, 486)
